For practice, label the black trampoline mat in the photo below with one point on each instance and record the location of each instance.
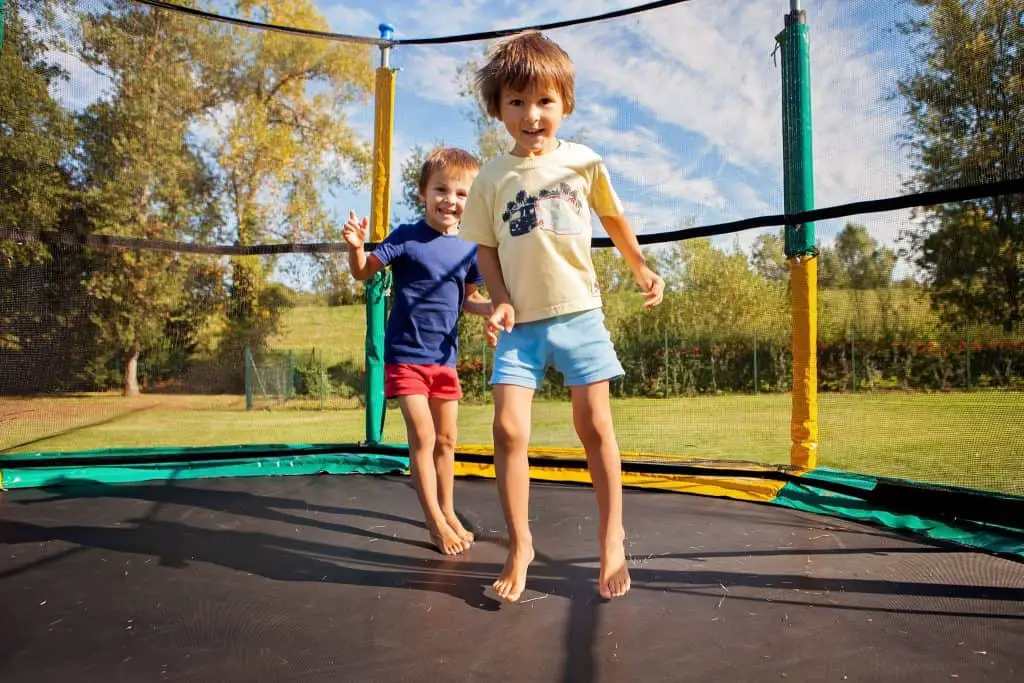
(330, 579)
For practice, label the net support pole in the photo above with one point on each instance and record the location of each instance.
(249, 367)
(798, 169)
(380, 205)
(3, 16)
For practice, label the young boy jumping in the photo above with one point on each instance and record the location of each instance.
(529, 212)
(435, 278)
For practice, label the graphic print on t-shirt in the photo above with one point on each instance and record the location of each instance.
(548, 211)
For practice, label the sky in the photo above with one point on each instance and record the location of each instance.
(682, 102)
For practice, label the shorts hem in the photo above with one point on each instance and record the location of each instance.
(594, 378)
(515, 381)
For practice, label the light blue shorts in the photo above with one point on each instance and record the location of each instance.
(577, 345)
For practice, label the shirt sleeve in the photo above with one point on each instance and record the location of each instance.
(603, 198)
(392, 247)
(478, 215)
(473, 275)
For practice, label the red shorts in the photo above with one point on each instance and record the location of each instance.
(434, 381)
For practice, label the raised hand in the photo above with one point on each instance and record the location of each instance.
(355, 231)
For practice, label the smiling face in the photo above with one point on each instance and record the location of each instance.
(532, 117)
(445, 198)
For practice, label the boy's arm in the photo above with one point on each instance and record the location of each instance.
(476, 303)
(363, 267)
(625, 241)
(355, 232)
(490, 268)
(504, 316)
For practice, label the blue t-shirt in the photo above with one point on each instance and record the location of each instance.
(430, 272)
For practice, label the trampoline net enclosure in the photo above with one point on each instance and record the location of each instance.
(174, 189)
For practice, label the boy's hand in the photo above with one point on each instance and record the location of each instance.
(492, 336)
(503, 319)
(652, 285)
(355, 231)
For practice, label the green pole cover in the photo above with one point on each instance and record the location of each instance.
(377, 290)
(797, 142)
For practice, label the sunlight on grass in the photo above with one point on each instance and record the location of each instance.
(969, 439)
(337, 332)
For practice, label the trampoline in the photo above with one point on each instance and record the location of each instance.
(214, 529)
(325, 578)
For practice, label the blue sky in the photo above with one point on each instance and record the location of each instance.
(682, 102)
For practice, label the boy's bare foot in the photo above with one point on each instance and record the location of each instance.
(446, 540)
(461, 531)
(613, 581)
(512, 581)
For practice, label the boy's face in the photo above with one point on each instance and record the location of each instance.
(532, 117)
(445, 198)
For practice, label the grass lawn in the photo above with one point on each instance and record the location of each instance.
(970, 439)
(337, 332)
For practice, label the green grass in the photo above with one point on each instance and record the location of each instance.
(968, 439)
(337, 332)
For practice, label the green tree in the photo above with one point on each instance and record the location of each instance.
(36, 135)
(282, 140)
(491, 136)
(831, 273)
(721, 294)
(410, 179)
(965, 101)
(768, 257)
(40, 290)
(140, 176)
(866, 264)
(856, 261)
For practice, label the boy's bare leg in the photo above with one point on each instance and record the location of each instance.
(592, 417)
(446, 420)
(512, 414)
(419, 425)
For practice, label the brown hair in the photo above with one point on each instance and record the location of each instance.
(525, 58)
(450, 159)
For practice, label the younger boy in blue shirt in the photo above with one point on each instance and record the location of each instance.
(435, 279)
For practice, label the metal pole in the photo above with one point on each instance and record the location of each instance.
(3, 15)
(387, 31)
(377, 287)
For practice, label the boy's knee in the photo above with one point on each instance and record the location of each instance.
(507, 431)
(594, 428)
(445, 441)
(421, 435)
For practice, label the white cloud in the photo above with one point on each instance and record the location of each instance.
(433, 74)
(351, 20)
(684, 101)
(84, 85)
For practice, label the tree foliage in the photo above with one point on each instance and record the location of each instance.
(965, 103)
(139, 176)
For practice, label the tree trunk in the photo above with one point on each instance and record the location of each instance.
(131, 374)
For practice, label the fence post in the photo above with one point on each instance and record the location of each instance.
(757, 383)
(248, 377)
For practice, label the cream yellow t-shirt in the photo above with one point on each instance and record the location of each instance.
(536, 212)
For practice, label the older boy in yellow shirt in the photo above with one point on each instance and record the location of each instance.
(529, 212)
